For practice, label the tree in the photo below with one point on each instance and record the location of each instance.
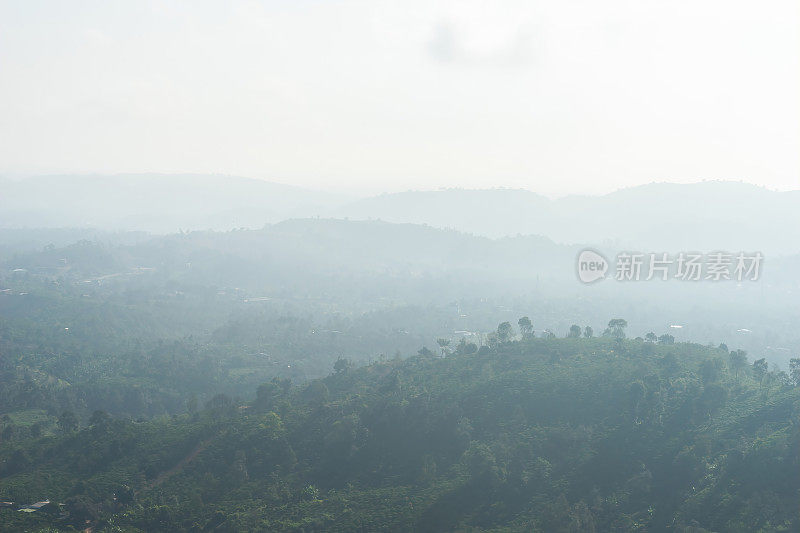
(588, 332)
(317, 392)
(794, 371)
(651, 337)
(461, 346)
(737, 360)
(713, 398)
(525, 327)
(492, 339)
(710, 369)
(769, 379)
(666, 338)
(99, 417)
(221, 405)
(443, 344)
(68, 422)
(616, 327)
(10, 432)
(760, 369)
(342, 365)
(82, 510)
(99, 421)
(124, 494)
(636, 393)
(505, 331)
(481, 464)
(310, 493)
(267, 395)
(574, 331)
(466, 348)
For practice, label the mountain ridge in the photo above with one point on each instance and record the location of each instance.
(660, 216)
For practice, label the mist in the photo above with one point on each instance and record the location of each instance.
(388, 266)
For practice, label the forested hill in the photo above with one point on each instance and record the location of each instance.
(577, 434)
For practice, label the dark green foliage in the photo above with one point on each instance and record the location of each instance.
(737, 360)
(525, 327)
(68, 422)
(540, 435)
(505, 332)
(666, 339)
(794, 371)
(616, 327)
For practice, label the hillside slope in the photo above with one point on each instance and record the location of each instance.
(538, 435)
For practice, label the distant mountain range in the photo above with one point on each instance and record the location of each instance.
(711, 215)
(158, 203)
(655, 217)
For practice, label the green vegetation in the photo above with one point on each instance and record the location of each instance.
(576, 434)
(255, 380)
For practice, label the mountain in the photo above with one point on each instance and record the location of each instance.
(659, 217)
(161, 203)
(489, 212)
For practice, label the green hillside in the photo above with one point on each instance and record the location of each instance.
(579, 434)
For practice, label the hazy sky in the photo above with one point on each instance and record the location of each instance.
(557, 96)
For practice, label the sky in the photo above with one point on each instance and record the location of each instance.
(559, 97)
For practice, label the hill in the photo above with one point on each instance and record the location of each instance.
(142, 328)
(532, 435)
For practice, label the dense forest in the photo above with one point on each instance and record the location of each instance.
(575, 434)
(138, 325)
(274, 379)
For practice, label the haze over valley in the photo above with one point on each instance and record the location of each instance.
(411, 266)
